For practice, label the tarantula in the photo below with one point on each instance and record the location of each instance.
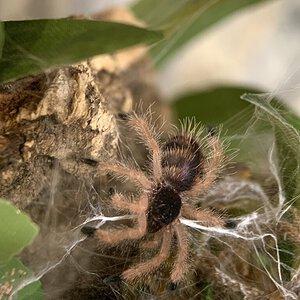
(180, 171)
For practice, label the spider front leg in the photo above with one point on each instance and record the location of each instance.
(211, 170)
(123, 171)
(119, 201)
(205, 216)
(152, 264)
(116, 236)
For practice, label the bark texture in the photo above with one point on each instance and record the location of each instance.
(59, 117)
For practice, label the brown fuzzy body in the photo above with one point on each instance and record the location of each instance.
(182, 163)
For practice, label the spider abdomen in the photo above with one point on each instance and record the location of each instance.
(164, 207)
(182, 161)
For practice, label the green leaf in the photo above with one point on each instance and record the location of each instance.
(287, 141)
(16, 230)
(13, 276)
(216, 106)
(183, 20)
(33, 46)
(2, 37)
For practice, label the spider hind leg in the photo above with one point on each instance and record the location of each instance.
(146, 267)
(180, 264)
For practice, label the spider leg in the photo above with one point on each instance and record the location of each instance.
(119, 201)
(152, 264)
(211, 169)
(180, 267)
(146, 133)
(115, 236)
(206, 216)
(123, 171)
(151, 244)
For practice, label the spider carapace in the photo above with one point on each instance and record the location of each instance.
(182, 162)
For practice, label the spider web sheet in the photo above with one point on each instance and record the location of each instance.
(254, 254)
(254, 258)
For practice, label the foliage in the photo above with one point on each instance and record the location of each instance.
(1, 38)
(33, 46)
(16, 232)
(183, 20)
(214, 106)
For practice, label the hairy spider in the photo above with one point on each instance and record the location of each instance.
(180, 171)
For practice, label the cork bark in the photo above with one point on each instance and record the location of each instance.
(58, 117)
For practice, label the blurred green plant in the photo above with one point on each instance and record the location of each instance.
(1, 37)
(215, 106)
(16, 232)
(30, 47)
(183, 20)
